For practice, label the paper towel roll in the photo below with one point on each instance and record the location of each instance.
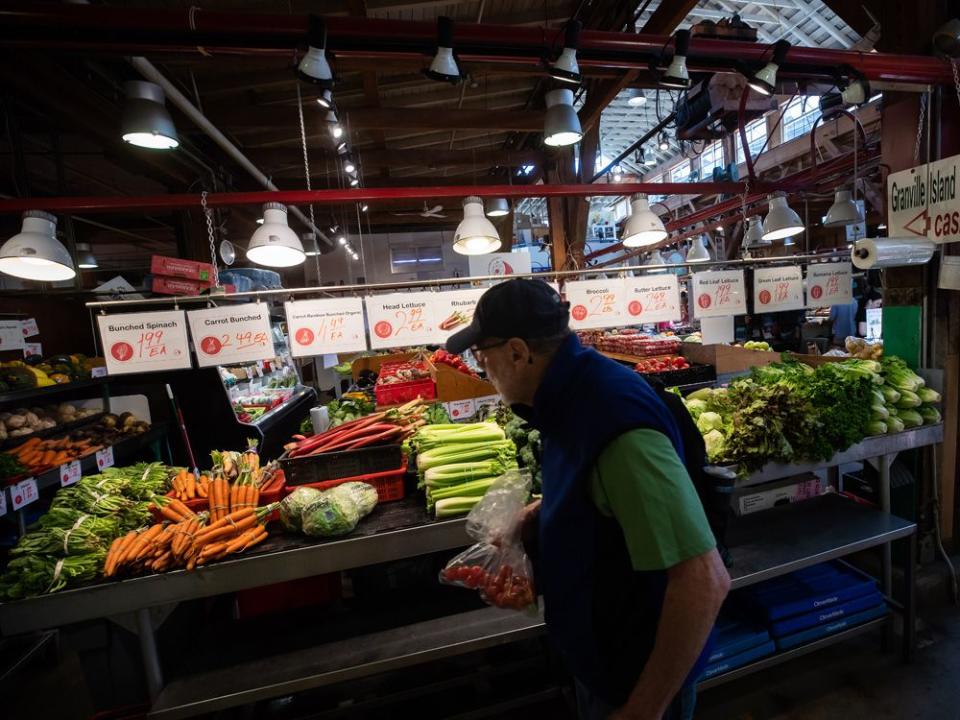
(891, 252)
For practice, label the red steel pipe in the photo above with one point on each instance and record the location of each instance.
(139, 30)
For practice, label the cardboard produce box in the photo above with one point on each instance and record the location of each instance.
(177, 267)
(178, 286)
(727, 358)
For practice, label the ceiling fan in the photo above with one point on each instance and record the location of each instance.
(433, 212)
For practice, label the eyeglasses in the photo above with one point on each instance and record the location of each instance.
(478, 350)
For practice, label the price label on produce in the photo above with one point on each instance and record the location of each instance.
(98, 372)
(326, 326)
(829, 284)
(105, 458)
(462, 409)
(24, 493)
(401, 319)
(32, 349)
(719, 293)
(777, 288)
(69, 473)
(651, 298)
(487, 401)
(453, 310)
(595, 303)
(231, 335)
(29, 327)
(11, 335)
(144, 342)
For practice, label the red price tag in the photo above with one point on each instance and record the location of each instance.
(816, 292)
(24, 493)
(69, 473)
(105, 458)
(764, 297)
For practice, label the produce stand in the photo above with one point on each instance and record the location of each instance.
(763, 546)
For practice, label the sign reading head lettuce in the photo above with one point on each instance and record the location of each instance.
(500, 264)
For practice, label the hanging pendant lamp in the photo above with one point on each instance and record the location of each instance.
(643, 227)
(86, 260)
(35, 253)
(698, 250)
(844, 211)
(566, 69)
(753, 237)
(314, 68)
(444, 66)
(765, 79)
(781, 221)
(656, 259)
(497, 207)
(145, 121)
(475, 234)
(275, 244)
(561, 126)
(677, 75)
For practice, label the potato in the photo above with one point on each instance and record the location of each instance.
(15, 422)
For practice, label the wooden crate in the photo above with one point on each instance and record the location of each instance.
(455, 385)
(814, 360)
(727, 358)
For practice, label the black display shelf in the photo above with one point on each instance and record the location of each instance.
(39, 394)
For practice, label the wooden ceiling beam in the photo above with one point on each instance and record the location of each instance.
(430, 158)
(394, 118)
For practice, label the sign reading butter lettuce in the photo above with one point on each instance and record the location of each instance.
(144, 342)
(777, 288)
(652, 298)
(401, 319)
(325, 326)
(235, 334)
(453, 309)
(595, 303)
(829, 284)
(719, 293)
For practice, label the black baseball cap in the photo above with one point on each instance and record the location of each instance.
(519, 308)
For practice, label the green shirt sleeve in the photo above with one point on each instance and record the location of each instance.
(640, 481)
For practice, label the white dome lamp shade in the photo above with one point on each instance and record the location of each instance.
(677, 75)
(145, 121)
(561, 126)
(475, 234)
(753, 237)
(636, 98)
(844, 211)
(566, 69)
(781, 221)
(642, 227)
(764, 80)
(314, 68)
(35, 253)
(275, 244)
(86, 260)
(497, 207)
(698, 250)
(656, 259)
(309, 241)
(443, 67)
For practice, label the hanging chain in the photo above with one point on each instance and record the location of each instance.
(923, 112)
(306, 175)
(956, 77)
(211, 236)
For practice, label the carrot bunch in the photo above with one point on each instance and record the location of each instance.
(187, 486)
(38, 455)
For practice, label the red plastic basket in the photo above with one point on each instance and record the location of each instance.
(389, 484)
(403, 392)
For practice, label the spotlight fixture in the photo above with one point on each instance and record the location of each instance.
(145, 121)
(676, 75)
(617, 173)
(354, 182)
(566, 69)
(764, 80)
(857, 92)
(334, 125)
(310, 243)
(325, 99)
(642, 227)
(497, 207)
(348, 166)
(364, 207)
(355, 256)
(86, 260)
(35, 253)
(656, 259)
(275, 244)
(444, 66)
(475, 234)
(314, 68)
(636, 98)
(698, 250)
(781, 221)
(561, 126)
(341, 147)
(753, 237)
(342, 240)
(663, 142)
(334, 228)
(844, 210)
(643, 159)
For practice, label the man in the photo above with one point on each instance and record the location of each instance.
(628, 569)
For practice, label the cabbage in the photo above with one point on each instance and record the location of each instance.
(876, 427)
(709, 421)
(879, 412)
(890, 395)
(911, 418)
(292, 507)
(930, 415)
(696, 407)
(908, 400)
(928, 395)
(364, 495)
(714, 441)
(331, 514)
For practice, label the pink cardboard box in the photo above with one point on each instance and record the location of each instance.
(176, 267)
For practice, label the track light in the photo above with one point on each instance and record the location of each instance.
(636, 98)
(334, 125)
(781, 221)
(497, 207)
(86, 260)
(856, 93)
(566, 69)
(342, 240)
(341, 147)
(364, 207)
(698, 250)
(145, 121)
(349, 167)
(354, 256)
(676, 75)
(764, 80)
(275, 244)
(354, 182)
(475, 234)
(642, 227)
(325, 99)
(663, 142)
(314, 68)
(641, 158)
(561, 126)
(656, 259)
(844, 211)
(617, 173)
(311, 249)
(444, 65)
(35, 253)
(753, 237)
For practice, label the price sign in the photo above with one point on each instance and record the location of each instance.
(719, 293)
(829, 284)
(32, 349)
(24, 493)
(462, 409)
(651, 298)
(231, 335)
(487, 401)
(874, 323)
(327, 326)
(69, 473)
(453, 309)
(98, 372)
(11, 335)
(595, 303)
(777, 288)
(400, 319)
(29, 327)
(144, 342)
(105, 458)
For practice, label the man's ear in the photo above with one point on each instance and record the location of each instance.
(520, 351)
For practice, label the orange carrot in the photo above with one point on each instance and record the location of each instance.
(254, 496)
(191, 486)
(233, 517)
(182, 509)
(169, 513)
(241, 542)
(226, 530)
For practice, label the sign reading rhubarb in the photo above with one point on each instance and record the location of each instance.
(829, 284)
(329, 325)
(401, 319)
(719, 293)
(453, 309)
(234, 334)
(144, 342)
(595, 303)
(777, 288)
(652, 298)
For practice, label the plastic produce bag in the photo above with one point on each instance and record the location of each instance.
(293, 505)
(330, 515)
(497, 565)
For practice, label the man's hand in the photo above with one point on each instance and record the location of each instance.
(527, 526)
(529, 513)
